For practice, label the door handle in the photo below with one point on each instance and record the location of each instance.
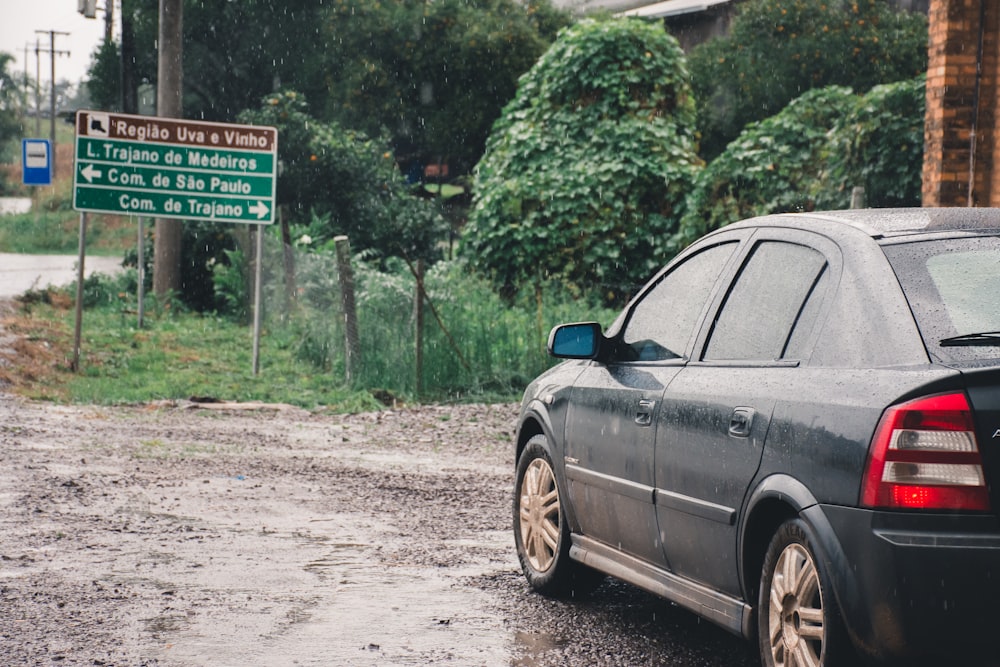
(644, 414)
(741, 422)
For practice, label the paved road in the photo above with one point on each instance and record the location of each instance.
(19, 273)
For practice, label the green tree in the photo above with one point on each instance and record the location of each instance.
(434, 74)
(234, 53)
(878, 145)
(11, 101)
(772, 167)
(11, 112)
(778, 49)
(585, 173)
(104, 82)
(812, 154)
(338, 181)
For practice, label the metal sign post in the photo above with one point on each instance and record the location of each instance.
(78, 328)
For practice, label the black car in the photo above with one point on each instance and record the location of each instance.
(793, 431)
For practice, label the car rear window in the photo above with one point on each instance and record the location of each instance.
(953, 288)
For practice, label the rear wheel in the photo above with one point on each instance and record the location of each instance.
(798, 620)
(540, 530)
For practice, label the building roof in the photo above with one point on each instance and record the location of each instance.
(673, 8)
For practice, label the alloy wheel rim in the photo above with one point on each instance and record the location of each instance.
(539, 515)
(795, 613)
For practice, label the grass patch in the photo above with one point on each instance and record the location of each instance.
(476, 346)
(176, 356)
(58, 233)
(52, 226)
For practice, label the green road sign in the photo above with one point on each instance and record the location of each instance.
(168, 168)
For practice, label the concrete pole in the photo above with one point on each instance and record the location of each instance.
(169, 87)
(52, 91)
(38, 89)
(52, 100)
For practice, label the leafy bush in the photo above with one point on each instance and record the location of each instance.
(878, 145)
(812, 154)
(347, 180)
(772, 167)
(585, 173)
(778, 49)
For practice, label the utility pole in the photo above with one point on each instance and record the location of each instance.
(129, 94)
(52, 102)
(169, 85)
(38, 93)
(109, 21)
(27, 45)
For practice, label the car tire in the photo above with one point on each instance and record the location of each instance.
(541, 533)
(798, 619)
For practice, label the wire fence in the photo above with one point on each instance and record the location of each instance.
(448, 334)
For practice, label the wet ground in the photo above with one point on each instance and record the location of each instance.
(182, 535)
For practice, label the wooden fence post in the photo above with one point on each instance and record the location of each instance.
(288, 253)
(352, 348)
(418, 325)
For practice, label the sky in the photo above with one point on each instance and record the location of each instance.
(19, 19)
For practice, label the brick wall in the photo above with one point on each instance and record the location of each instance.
(952, 112)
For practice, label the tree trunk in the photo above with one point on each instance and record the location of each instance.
(169, 86)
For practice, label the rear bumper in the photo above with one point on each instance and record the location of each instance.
(915, 586)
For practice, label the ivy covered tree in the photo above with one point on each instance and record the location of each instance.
(772, 167)
(435, 75)
(878, 145)
(778, 49)
(812, 154)
(586, 170)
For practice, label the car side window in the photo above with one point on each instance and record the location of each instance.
(662, 322)
(768, 313)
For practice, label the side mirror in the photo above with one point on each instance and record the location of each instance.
(576, 341)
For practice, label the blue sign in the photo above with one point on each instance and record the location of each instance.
(36, 161)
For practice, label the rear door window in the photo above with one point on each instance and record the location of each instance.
(769, 312)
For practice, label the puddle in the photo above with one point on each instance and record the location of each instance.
(344, 608)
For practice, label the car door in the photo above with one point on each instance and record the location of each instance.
(610, 426)
(715, 413)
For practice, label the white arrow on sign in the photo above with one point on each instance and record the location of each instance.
(90, 173)
(260, 208)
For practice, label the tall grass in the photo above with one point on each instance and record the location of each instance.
(475, 345)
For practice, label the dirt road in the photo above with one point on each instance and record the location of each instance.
(178, 535)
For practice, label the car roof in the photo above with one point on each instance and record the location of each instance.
(890, 222)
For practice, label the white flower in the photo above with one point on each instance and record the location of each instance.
(305, 240)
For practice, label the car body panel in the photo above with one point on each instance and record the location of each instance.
(706, 458)
(677, 472)
(610, 438)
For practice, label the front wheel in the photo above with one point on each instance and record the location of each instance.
(798, 620)
(541, 533)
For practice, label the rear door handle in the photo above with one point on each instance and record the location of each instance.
(644, 413)
(741, 422)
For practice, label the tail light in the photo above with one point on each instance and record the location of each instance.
(924, 455)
